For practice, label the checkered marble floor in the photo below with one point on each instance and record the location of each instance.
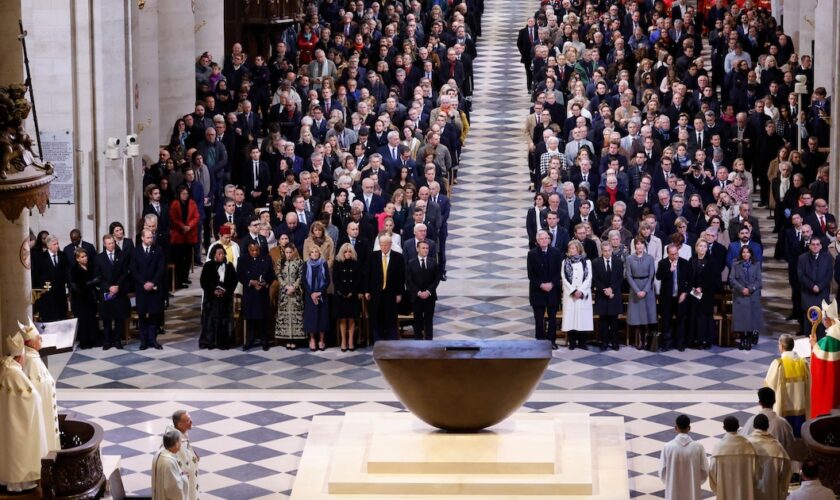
(252, 410)
(250, 442)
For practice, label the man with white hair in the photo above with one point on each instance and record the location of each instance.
(21, 421)
(410, 245)
(390, 154)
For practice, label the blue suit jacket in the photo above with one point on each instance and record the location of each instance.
(735, 249)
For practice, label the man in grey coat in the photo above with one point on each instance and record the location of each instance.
(215, 157)
(815, 271)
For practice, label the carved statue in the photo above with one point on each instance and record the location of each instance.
(15, 144)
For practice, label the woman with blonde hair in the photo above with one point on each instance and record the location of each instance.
(316, 316)
(576, 278)
(318, 237)
(347, 281)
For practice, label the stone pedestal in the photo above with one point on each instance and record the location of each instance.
(387, 455)
(15, 302)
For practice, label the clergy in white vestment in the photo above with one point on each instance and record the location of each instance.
(733, 467)
(773, 462)
(683, 466)
(182, 423)
(21, 422)
(169, 482)
(43, 381)
(780, 428)
(811, 487)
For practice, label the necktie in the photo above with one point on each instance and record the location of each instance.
(111, 257)
(55, 260)
(367, 203)
(302, 217)
(256, 174)
(147, 250)
(230, 218)
(607, 261)
(553, 237)
(699, 139)
(423, 264)
(327, 107)
(384, 270)
(798, 236)
(531, 35)
(394, 153)
(822, 223)
(353, 242)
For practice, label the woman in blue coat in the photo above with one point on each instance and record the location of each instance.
(316, 314)
(256, 273)
(747, 314)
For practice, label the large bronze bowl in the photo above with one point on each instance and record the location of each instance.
(822, 437)
(463, 386)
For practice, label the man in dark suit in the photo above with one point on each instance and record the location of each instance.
(796, 239)
(409, 246)
(558, 235)
(422, 279)
(445, 206)
(660, 175)
(673, 272)
(607, 278)
(384, 290)
(743, 219)
(147, 268)
(544, 286)
(51, 267)
(257, 179)
(815, 271)
(374, 203)
(248, 125)
(820, 219)
(253, 236)
(114, 306)
(359, 243)
(76, 242)
(155, 207)
(392, 155)
(526, 40)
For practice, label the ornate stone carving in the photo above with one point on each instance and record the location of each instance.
(24, 177)
(15, 144)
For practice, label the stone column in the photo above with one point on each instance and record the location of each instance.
(807, 26)
(834, 91)
(210, 28)
(792, 19)
(825, 56)
(146, 95)
(14, 301)
(176, 66)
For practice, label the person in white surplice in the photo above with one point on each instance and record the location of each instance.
(773, 461)
(169, 482)
(683, 468)
(21, 422)
(733, 468)
(43, 381)
(182, 423)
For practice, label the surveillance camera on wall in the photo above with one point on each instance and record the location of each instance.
(112, 150)
(132, 147)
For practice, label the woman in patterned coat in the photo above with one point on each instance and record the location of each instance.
(288, 325)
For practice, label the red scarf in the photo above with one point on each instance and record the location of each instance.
(613, 194)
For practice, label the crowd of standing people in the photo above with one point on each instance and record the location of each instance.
(649, 162)
(311, 180)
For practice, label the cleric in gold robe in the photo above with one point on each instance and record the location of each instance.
(169, 482)
(21, 422)
(44, 383)
(790, 378)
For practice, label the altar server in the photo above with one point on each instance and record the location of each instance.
(21, 422)
(773, 461)
(683, 466)
(733, 467)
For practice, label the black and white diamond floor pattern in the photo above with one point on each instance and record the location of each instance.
(250, 449)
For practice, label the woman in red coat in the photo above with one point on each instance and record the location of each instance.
(306, 42)
(183, 233)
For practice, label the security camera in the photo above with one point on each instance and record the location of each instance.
(112, 150)
(132, 147)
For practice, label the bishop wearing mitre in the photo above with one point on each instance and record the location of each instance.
(21, 421)
(825, 364)
(43, 381)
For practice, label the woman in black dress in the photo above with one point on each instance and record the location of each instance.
(218, 281)
(347, 282)
(701, 301)
(83, 299)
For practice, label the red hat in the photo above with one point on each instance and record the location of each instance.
(225, 229)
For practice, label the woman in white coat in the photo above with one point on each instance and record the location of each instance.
(576, 274)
